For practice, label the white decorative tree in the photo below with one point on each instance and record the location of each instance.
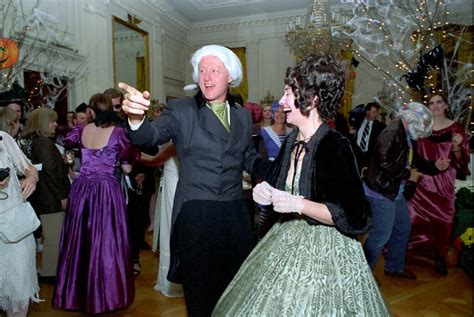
(43, 47)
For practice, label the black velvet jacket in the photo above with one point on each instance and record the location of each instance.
(330, 176)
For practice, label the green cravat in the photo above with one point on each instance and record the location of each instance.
(220, 110)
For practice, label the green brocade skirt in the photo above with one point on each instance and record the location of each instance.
(303, 270)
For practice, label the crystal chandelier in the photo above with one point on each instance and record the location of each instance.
(314, 34)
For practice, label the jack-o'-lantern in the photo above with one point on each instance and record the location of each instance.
(8, 53)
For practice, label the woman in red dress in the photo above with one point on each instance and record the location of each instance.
(432, 206)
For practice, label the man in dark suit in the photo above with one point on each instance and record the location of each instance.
(211, 228)
(367, 133)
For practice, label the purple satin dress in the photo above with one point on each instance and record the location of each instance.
(432, 206)
(95, 272)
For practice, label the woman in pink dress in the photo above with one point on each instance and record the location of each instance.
(432, 206)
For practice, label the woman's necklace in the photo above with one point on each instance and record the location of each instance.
(301, 138)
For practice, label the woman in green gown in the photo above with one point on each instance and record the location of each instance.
(310, 262)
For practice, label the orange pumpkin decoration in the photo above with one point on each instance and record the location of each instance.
(8, 53)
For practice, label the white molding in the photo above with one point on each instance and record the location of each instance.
(168, 13)
(61, 49)
(174, 37)
(127, 37)
(157, 33)
(215, 4)
(250, 21)
(96, 7)
(147, 15)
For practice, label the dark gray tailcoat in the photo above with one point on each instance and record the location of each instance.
(211, 159)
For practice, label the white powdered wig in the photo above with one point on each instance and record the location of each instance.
(227, 57)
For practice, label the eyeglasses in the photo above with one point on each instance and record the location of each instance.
(117, 106)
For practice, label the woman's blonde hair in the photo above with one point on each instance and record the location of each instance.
(7, 119)
(38, 122)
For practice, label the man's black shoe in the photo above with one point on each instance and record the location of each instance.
(404, 274)
(441, 266)
(145, 246)
(47, 279)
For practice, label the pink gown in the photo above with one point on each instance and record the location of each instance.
(432, 206)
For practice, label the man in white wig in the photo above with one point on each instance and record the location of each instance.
(211, 229)
(393, 168)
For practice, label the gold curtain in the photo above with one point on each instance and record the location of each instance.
(346, 54)
(141, 74)
(242, 89)
(464, 52)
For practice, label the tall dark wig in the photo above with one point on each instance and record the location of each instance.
(317, 76)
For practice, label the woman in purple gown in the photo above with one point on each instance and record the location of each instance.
(95, 272)
(432, 206)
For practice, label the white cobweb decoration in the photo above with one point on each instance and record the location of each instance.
(378, 29)
(399, 33)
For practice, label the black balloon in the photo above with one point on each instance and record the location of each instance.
(415, 80)
(434, 57)
(354, 62)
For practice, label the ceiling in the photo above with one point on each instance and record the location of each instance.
(205, 10)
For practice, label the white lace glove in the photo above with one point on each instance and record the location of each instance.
(262, 194)
(284, 202)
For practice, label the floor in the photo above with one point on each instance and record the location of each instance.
(429, 296)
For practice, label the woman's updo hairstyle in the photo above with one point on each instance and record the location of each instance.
(317, 76)
(103, 109)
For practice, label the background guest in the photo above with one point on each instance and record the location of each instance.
(70, 117)
(95, 265)
(50, 197)
(166, 157)
(15, 102)
(267, 115)
(18, 279)
(82, 114)
(117, 98)
(432, 207)
(391, 166)
(366, 135)
(271, 140)
(275, 134)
